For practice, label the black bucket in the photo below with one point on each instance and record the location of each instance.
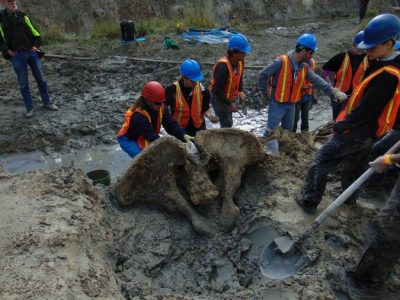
(100, 177)
(128, 30)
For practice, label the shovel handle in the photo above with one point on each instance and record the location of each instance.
(342, 198)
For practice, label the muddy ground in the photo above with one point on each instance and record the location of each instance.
(63, 238)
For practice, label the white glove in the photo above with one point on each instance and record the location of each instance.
(188, 138)
(340, 96)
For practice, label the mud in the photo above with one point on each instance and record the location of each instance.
(94, 248)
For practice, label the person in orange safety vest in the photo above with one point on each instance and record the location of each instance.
(349, 68)
(283, 79)
(227, 80)
(188, 100)
(143, 121)
(369, 114)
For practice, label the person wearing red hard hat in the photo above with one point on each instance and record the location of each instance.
(143, 121)
(188, 100)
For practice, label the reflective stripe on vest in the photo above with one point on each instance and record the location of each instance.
(345, 78)
(142, 142)
(360, 72)
(231, 88)
(344, 75)
(182, 113)
(388, 116)
(307, 88)
(285, 90)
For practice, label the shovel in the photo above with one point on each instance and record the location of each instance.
(282, 248)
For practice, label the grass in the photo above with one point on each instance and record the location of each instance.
(200, 15)
(105, 29)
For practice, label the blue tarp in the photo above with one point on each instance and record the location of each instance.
(212, 36)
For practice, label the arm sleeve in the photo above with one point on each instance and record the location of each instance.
(140, 123)
(170, 97)
(37, 40)
(171, 126)
(240, 87)
(378, 93)
(272, 69)
(220, 77)
(319, 83)
(333, 65)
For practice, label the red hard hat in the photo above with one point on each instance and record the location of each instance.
(153, 91)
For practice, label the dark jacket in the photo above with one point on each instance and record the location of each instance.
(140, 126)
(17, 32)
(187, 93)
(221, 75)
(362, 122)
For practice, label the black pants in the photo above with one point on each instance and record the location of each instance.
(363, 5)
(304, 109)
(339, 148)
(383, 251)
(223, 111)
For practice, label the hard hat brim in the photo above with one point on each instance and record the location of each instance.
(197, 78)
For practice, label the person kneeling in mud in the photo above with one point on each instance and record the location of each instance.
(188, 100)
(143, 121)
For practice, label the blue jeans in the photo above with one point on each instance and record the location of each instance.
(129, 146)
(20, 62)
(280, 114)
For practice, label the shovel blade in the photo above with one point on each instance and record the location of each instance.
(277, 265)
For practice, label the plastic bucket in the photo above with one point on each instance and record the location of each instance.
(100, 177)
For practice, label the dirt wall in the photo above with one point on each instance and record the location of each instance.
(82, 14)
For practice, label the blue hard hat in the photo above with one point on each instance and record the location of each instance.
(308, 40)
(397, 45)
(358, 38)
(191, 69)
(240, 43)
(379, 30)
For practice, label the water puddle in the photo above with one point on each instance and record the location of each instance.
(111, 158)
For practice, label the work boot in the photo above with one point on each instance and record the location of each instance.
(308, 208)
(50, 106)
(359, 290)
(29, 113)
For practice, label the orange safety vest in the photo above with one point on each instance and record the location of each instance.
(182, 113)
(345, 78)
(286, 91)
(142, 142)
(388, 116)
(307, 87)
(231, 88)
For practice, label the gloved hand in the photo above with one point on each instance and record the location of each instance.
(379, 165)
(265, 99)
(340, 96)
(188, 138)
(234, 107)
(213, 118)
